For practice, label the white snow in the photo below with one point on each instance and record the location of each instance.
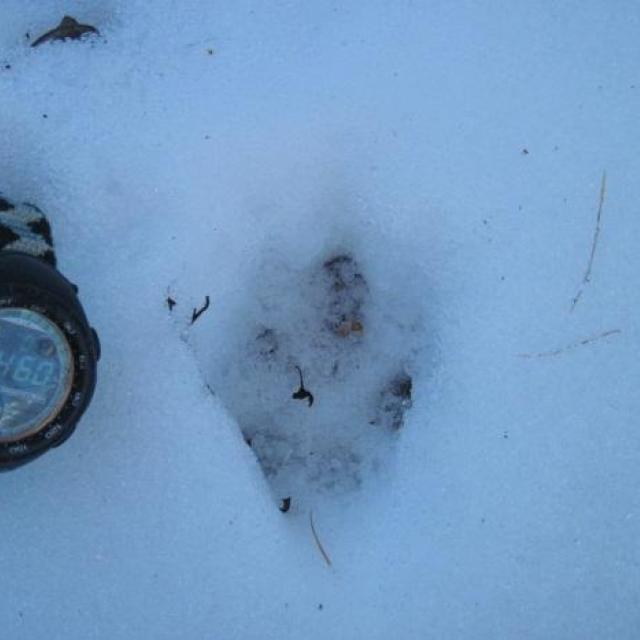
(229, 150)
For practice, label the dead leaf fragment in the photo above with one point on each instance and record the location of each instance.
(348, 327)
(69, 28)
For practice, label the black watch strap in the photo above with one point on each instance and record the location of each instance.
(24, 228)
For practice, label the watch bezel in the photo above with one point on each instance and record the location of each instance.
(59, 304)
(40, 322)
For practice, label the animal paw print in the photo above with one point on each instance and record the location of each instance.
(316, 399)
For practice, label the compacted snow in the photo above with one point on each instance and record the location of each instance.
(393, 418)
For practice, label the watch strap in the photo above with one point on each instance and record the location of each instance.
(24, 228)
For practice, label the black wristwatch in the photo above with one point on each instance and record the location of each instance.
(48, 350)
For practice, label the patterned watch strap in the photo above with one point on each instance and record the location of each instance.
(23, 227)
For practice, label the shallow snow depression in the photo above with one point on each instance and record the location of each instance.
(315, 360)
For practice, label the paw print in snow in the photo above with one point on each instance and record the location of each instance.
(317, 397)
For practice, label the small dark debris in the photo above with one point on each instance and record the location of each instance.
(348, 328)
(285, 504)
(27, 36)
(302, 393)
(401, 387)
(7, 66)
(320, 607)
(395, 401)
(45, 116)
(171, 303)
(505, 435)
(525, 152)
(69, 28)
(248, 441)
(198, 312)
(210, 52)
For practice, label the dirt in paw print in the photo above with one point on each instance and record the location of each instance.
(320, 395)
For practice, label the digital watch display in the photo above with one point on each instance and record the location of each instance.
(48, 354)
(36, 370)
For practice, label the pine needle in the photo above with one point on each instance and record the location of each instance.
(596, 234)
(325, 555)
(570, 347)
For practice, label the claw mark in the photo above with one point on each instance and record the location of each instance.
(596, 234)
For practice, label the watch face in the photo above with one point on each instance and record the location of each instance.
(36, 372)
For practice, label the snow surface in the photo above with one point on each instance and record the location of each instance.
(455, 152)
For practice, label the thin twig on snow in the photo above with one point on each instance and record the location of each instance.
(570, 347)
(596, 234)
(325, 555)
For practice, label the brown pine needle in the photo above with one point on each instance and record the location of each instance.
(596, 234)
(569, 347)
(325, 555)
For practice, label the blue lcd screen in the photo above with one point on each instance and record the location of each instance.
(36, 370)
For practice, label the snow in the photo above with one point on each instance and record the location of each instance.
(230, 150)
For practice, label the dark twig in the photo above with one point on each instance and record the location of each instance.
(171, 303)
(198, 312)
(302, 393)
(596, 234)
(325, 555)
(570, 347)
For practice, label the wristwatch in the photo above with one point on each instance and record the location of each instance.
(48, 350)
